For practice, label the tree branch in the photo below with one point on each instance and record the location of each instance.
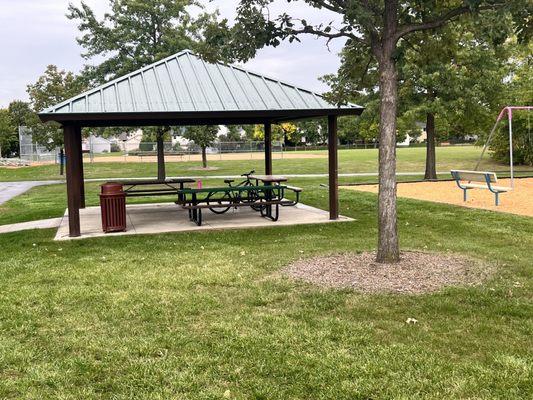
(436, 23)
(342, 33)
(328, 6)
(444, 18)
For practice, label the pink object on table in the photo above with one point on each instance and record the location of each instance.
(199, 183)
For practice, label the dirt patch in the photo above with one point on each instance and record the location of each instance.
(417, 272)
(517, 201)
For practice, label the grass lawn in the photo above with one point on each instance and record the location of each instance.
(205, 315)
(350, 161)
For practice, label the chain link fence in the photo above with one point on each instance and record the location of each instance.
(128, 151)
(31, 152)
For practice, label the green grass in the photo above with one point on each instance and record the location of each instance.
(206, 316)
(350, 161)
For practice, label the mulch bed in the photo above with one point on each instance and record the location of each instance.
(417, 272)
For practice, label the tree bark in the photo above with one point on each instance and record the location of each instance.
(161, 173)
(204, 156)
(431, 160)
(388, 243)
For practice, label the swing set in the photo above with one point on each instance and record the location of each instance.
(485, 179)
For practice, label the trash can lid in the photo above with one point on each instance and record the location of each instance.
(111, 188)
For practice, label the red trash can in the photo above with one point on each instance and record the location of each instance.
(113, 207)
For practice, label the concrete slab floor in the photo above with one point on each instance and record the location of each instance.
(168, 217)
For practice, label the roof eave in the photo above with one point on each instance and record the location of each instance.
(193, 117)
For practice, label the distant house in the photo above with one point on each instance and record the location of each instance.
(129, 141)
(96, 145)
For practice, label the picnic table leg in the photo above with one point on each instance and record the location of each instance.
(180, 195)
(496, 199)
(268, 196)
(464, 194)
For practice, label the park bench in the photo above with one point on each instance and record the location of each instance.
(464, 180)
(266, 199)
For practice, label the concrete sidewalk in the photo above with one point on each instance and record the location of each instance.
(8, 190)
(24, 226)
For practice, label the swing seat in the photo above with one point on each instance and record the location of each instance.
(464, 181)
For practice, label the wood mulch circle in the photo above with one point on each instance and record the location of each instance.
(417, 272)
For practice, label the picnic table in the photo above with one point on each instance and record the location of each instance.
(265, 198)
(145, 187)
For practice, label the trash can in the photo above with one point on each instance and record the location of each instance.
(113, 207)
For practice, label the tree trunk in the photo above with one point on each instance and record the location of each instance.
(431, 160)
(161, 173)
(388, 244)
(204, 156)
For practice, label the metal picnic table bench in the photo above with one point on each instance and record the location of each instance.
(262, 198)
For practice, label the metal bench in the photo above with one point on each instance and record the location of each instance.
(464, 180)
(266, 199)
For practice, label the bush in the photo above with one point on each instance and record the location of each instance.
(522, 142)
(115, 148)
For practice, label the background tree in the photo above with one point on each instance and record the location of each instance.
(202, 136)
(233, 134)
(314, 131)
(375, 28)
(8, 136)
(19, 111)
(442, 83)
(518, 92)
(136, 33)
(12, 118)
(53, 87)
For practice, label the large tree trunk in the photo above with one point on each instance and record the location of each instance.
(431, 160)
(204, 156)
(161, 173)
(388, 244)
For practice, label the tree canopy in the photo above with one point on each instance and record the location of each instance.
(135, 33)
(52, 87)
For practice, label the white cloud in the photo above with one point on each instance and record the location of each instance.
(36, 33)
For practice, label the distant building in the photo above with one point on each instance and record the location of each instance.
(129, 141)
(96, 144)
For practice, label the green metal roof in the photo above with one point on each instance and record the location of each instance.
(185, 84)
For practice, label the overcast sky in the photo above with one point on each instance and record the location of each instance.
(36, 33)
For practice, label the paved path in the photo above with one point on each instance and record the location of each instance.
(8, 190)
(23, 226)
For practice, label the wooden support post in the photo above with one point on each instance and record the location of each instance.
(268, 148)
(72, 137)
(82, 180)
(333, 168)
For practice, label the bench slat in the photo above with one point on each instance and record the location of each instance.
(476, 176)
(479, 186)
